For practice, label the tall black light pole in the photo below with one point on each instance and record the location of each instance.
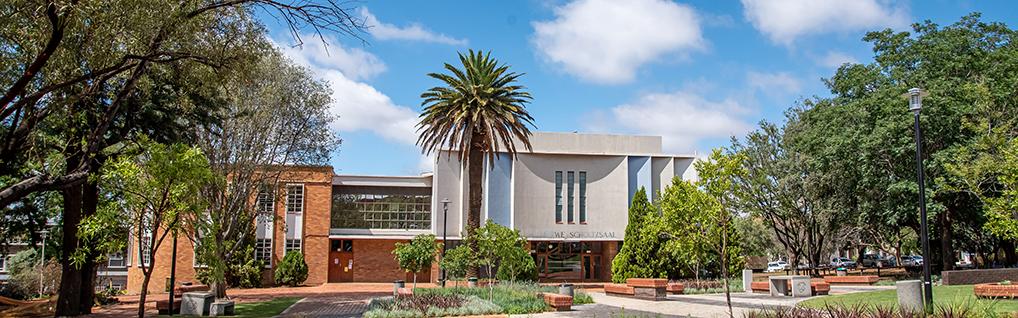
(173, 270)
(445, 225)
(915, 101)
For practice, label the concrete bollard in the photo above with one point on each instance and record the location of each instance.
(396, 285)
(565, 289)
(910, 295)
(747, 279)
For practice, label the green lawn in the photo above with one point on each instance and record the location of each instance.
(954, 296)
(260, 309)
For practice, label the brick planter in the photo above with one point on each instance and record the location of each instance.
(676, 288)
(851, 280)
(995, 290)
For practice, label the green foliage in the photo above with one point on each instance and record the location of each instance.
(756, 237)
(292, 270)
(517, 265)
(511, 298)
(499, 245)
(457, 261)
(160, 186)
(702, 213)
(479, 97)
(418, 255)
(641, 253)
(23, 282)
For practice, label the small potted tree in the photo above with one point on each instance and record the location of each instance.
(418, 255)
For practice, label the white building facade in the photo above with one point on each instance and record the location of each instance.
(569, 196)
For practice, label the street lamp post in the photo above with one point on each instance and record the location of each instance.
(42, 259)
(915, 101)
(445, 226)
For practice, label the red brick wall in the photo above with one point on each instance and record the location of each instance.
(979, 276)
(162, 264)
(317, 182)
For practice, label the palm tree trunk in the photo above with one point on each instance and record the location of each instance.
(475, 169)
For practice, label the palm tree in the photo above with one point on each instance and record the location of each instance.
(478, 111)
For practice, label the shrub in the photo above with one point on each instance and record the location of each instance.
(249, 275)
(517, 265)
(292, 270)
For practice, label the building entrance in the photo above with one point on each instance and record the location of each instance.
(568, 261)
(341, 265)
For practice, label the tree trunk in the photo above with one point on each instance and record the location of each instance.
(946, 248)
(144, 291)
(1009, 252)
(90, 204)
(218, 287)
(69, 302)
(475, 169)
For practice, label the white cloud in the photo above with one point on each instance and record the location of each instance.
(353, 62)
(414, 32)
(836, 59)
(774, 85)
(785, 20)
(683, 119)
(359, 106)
(606, 41)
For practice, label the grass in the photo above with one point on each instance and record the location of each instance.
(948, 296)
(270, 308)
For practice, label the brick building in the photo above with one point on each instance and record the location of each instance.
(569, 196)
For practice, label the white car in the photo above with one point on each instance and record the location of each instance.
(777, 266)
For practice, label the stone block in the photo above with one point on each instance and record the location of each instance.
(221, 308)
(196, 303)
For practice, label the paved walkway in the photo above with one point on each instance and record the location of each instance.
(706, 305)
(349, 300)
(328, 300)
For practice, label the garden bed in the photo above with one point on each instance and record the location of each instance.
(995, 290)
(438, 302)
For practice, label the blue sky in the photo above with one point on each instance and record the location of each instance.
(694, 72)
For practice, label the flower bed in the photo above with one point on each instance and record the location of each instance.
(505, 299)
(995, 290)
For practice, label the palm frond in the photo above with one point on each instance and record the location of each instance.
(479, 98)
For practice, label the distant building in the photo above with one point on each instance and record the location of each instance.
(569, 196)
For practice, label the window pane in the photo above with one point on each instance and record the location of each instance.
(558, 196)
(583, 197)
(569, 186)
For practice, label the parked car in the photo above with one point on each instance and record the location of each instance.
(874, 260)
(893, 261)
(911, 260)
(777, 266)
(843, 262)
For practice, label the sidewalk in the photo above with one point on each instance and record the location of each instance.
(342, 298)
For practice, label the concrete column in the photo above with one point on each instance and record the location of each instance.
(747, 278)
(910, 295)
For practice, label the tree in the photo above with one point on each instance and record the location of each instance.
(757, 237)
(640, 256)
(418, 255)
(276, 116)
(81, 76)
(497, 244)
(803, 200)
(866, 126)
(479, 111)
(457, 261)
(704, 211)
(159, 185)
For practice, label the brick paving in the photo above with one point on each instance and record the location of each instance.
(328, 300)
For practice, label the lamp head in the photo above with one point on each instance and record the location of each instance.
(915, 99)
